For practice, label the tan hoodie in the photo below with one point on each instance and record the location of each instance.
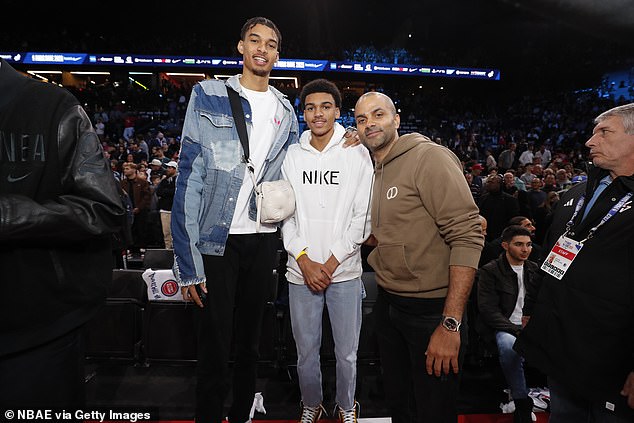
(423, 217)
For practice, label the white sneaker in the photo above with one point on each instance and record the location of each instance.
(348, 416)
(311, 414)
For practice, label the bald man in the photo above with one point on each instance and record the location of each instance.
(427, 252)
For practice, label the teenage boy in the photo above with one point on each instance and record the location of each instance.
(332, 187)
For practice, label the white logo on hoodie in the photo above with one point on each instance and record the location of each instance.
(392, 193)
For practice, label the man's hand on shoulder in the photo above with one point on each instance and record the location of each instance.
(351, 137)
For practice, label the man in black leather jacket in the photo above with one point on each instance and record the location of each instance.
(502, 286)
(59, 207)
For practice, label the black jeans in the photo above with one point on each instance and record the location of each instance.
(50, 375)
(239, 285)
(403, 331)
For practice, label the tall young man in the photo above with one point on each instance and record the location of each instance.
(428, 247)
(216, 245)
(323, 238)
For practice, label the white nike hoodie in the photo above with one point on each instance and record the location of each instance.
(332, 215)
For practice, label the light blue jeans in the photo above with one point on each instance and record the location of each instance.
(343, 302)
(512, 365)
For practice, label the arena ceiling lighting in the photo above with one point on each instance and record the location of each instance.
(208, 62)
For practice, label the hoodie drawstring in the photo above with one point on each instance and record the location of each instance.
(367, 209)
(378, 210)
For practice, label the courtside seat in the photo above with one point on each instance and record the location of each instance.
(116, 331)
(170, 331)
(158, 258)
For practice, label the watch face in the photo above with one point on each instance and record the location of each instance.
(451, 324)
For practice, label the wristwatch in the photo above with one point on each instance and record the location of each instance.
(451, 323)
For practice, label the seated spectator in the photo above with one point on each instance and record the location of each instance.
(475, 189)
(476, 171)
(497, 207)
(535, 195)
(514, 186)
(543, 216)
(495, 248)
(156, 168)
(550, 182)
(563, 182)
(528, 175)
(501, 289)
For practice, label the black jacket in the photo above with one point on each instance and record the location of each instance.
(165, 193)
(498, 208)
(497, 292)
(581, 331)
(58, 209)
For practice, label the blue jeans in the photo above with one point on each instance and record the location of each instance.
(565, 407)
(512, 365)
(343, 301)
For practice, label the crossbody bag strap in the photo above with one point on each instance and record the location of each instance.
(238, 117)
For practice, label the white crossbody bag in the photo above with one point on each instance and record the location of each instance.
(275, 200)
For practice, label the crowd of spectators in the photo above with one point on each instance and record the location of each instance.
(370, 53)
(519, 154)
(138, 123)
(543, 136)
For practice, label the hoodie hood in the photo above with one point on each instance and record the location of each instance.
(336, 139)
(404, 144)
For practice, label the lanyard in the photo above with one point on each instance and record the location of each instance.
(607, 217)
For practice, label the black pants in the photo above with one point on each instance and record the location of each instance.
(140, 231)
(238, 285)
(50, 375)
(403, 333)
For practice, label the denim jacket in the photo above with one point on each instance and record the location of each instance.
(211, 172)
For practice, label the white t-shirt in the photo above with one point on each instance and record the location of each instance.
(516, 316)
(264, 108)
(526, 157)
